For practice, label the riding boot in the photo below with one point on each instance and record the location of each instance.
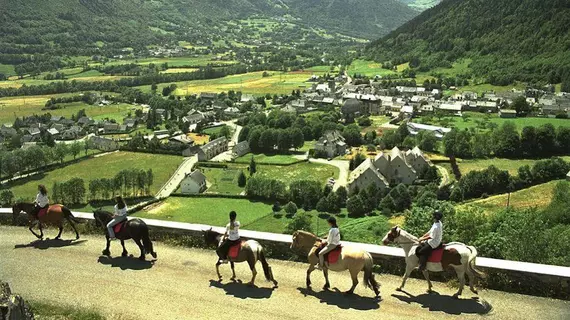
(423, 262)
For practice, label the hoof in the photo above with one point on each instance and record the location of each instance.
(430, 291)
(275, 284)
(233, 279)
(326, 287)
(124, 254)
(77, 238)
(106, 252)
(400, 289)
(220, 279)
(57, 238)
(349, 293)
(456, 296)
(475, 291)
(154, 255)
(251, 284)
(142, 258)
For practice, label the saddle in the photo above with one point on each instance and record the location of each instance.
(119, 227)
(437, 254)
(234, 250)
(43, 212)
(331, 257)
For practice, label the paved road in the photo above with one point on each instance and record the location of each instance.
(445, 177)
(180, 285)
(228, 155)
(344, 170)
(179, 175)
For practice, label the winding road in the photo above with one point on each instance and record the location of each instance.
(181, 285)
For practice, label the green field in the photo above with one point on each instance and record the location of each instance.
(173, 61)
(474, 118)
(7, 69)
(224, 181)
(253, 82)
(511, 165)
(43, 310)
(269, 159)
(213, 130)
(367, 68)
(538, 196)
(102, 167)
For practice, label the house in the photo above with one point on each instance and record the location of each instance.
(212, 149)
(351, 109)
(505, 113)
(299, 105)
(7, 131)
(289, 109)
(407, 111)
(182, 140)
(71, 134)
(161, 134)
(454, 109)
(85, 121)
(425, 109)
(416, 128)
(33, 131)
(208, 96)
(240, 149)
(27, 145)
(193, 183)
(193, 118)
(161, 114)
(331, 144)
(104, 144)
(53, 132)
(56, 118)
(111, 127)
(488, 106)
(231, 111)
(247, 98)
(388, 169)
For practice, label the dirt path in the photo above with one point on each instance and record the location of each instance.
(180, 285)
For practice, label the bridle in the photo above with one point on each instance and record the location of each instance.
(392, 238)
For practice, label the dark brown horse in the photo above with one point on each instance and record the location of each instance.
(135, 229)
(251, 251)
(55, 216)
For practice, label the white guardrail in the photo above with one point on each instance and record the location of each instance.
(375, 250)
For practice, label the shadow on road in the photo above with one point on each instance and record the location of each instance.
(125, 263)
(242, 291)
(448, 304)
(337, 298)
(49, 244)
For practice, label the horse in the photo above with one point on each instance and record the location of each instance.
(351, 258)
(135, 229)
(456, 255)
(54, 216)
(250, 251)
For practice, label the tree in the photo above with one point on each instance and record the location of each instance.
(298, 140)
(456, 195)
(506, 140)
(428, 141)
(355, 206)
(301, 221)
(563, 139)
(252, 166)
(290, 208)
(522, 107)
(528, 141)
(387, 206)
(305, 193)
(342, 195)
(546, 139)
(6, 197)
(242, 180)
(322, 205)
(75, 149)
(60, 151)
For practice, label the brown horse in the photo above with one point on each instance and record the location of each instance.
(251, 251)
(55, 216)
(351, 258)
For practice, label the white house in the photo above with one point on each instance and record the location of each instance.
(193, 183)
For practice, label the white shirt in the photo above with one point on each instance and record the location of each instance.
(334, 236)
(42, 200)
(233, 232)
(120, 212)
(435, 233)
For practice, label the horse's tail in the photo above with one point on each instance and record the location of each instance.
(148, 247)
(471, 263)
(266, 268)
(369, 280)
(67, 214)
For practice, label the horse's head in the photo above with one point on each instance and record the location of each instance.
(102, 217)
(303, 240)
(392, 235)
(211, 237)
(18, 208)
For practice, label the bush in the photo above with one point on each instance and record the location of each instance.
(301, 221)
(355, 206)
(290, 208)
(242, 179)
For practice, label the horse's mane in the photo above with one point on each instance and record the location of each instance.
(408, 235)
(102, 213)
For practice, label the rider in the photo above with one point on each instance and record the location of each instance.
(42, 201)
(431, 240)
(333, 241)
(230, 238)
(120, 216)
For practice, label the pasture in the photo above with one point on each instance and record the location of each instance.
(277, 159)
(485, 121)
(106, 166)
(253, 83)
(367, 68)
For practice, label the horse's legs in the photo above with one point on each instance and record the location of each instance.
(409, 269)
(125, 252)
(354, 275)
(218, 270)
(309, 271)
(74, 228)
(471, 277)
(426, 275)
(60, 231)
(251, 261)
(31, 228)
(232, 264)
(326, 274)
(107, 252)
(139, 243)
(41, 230)
(461, 275)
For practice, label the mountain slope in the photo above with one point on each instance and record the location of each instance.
(77, 24)
(507, 40)
(421, 5)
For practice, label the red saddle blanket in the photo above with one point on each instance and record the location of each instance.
(119, 227)
(234, 250)
(331, 257)
(436, 255)
(43, 212)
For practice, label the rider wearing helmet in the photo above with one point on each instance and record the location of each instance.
(42, 201)
(431, 240)
(230, 238)
(333, 241)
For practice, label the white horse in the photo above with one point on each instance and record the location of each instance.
(457, 255)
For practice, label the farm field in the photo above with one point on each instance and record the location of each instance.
(12, 107)
(511, 165)
(538, 196)
(367, 68)
(224, 181)
(173, 61)
(102, 167)
(270, 159)
(253, 83)
(213, 130)
(179, 70)
(7, 69)
(92, 75)
(475, 117)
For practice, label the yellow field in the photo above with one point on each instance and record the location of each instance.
(199, 139)
(17, 83)
(179, 70)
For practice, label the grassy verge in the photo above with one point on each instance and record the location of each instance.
(43, 310)
(278, 159)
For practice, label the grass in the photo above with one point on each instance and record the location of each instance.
(278, 159)
(202, 60)
(43, 310)
(199, 139)
(367, 68)
(223, 181)
(538, 196)
(91, 76)
(511, 165)
(300, 171)
(103, 167)
(308, 146)
(179, 70)
(117, 111)
(253, 83)
(213, 130)
(475, 118)
(7, 69)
